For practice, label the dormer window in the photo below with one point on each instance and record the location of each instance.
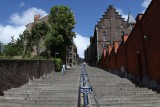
(104, 36)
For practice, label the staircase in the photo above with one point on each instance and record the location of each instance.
(113, 91)
(57, 90)
(54, 90)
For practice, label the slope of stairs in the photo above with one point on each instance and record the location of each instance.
(57, 90)
(113, 91)
(54, 90)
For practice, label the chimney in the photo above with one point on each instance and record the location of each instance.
(139, 17)
(116, 45)
(124, 38)
(36, 18)
(104, 52)
(110, 6)
(109, 48)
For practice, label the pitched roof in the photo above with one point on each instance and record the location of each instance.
(131, 19)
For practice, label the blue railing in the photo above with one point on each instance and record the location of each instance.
(85, 87)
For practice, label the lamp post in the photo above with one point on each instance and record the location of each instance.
(56, 53)
(0, 48)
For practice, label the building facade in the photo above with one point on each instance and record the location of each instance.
(109, 28)
(72, 56)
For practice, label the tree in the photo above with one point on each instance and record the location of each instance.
(11, 49)
(20, 44)
(27, 43)
(62, 22)
(38, 34)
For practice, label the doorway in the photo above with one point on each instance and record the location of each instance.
(140, 66)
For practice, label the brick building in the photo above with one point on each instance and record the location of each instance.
(72, 56)
(110, 28)
(139, 54)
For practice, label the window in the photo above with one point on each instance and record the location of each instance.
(104, 45)
(70, 54)
(103, 26)
(104, 36)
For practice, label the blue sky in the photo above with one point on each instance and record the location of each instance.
(15, 14)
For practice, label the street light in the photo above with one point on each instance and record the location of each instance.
(56, 53)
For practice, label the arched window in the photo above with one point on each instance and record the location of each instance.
(104, 36)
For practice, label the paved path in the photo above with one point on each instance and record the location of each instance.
(55, 90)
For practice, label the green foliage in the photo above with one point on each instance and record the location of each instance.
(20, 44)
(13, 48)
(58, 64)
(28, 43)
(38, 33)
(46, 38)
(62, 22)
(10, 49)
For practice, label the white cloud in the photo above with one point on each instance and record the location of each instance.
(8, 31)
(22, 4)
(18, 22)
(145, 4)
(124, 15)
(81, 42)
(26, 17)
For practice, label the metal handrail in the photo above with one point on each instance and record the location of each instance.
(95, 98)
(86, 88)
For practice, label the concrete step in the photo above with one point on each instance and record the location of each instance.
(37, 105)
(40, 91)
(113, 91)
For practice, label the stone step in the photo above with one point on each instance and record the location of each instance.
(47, 88)
(115, 103)
(114, 91)
(10, 105)
(39, 98)
(122, 89)
(40, 101)
(111, 85)
(130, 105)
(129, 100)
(40, 91)
(44, 95)
(37, 105)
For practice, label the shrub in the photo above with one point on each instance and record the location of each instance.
(58, 64)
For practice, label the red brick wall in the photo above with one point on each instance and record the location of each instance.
(151, 29)
(103, 58)
(121, 57)
(107, 61)
(135, 45)
(112, 59)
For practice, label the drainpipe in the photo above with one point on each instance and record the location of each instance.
(97, 44)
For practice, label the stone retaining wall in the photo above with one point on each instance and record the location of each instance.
(14, 73)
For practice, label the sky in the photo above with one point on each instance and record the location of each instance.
(15, 14)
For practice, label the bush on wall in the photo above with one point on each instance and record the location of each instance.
(58, 64)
